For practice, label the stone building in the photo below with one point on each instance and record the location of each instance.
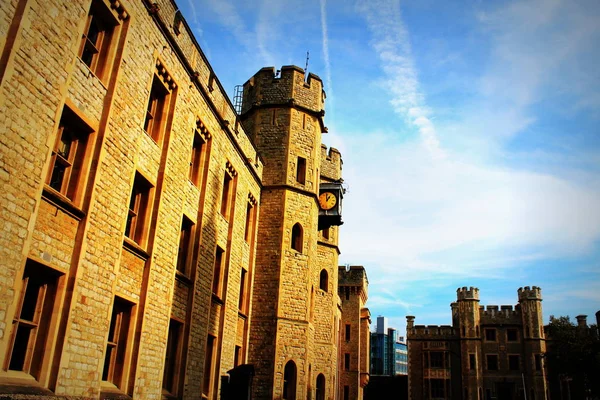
(134, 258)
(487, 353)
(356, 319)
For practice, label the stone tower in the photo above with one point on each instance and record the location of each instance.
(466, 317)
(530, 300)
(283, 114)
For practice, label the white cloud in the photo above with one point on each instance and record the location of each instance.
(392, 44)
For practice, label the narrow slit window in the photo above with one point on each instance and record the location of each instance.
(226, 195)
(297, 237)
(184, 255)
(217, 286)
(136, 226)
(301, 171)
(114, 359)
(208, 366)
(323, 280)
(156, 110)
(171, 372)
(197, 159)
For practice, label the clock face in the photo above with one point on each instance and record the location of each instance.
(327, 200)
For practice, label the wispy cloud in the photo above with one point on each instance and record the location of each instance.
(392, 44)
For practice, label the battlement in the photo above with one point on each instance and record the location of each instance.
(331, 164)
(355, 275)
(472, 293)
(432, 331)
(504, 314)
(287, 86)
(527, 293)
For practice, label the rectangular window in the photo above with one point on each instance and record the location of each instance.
(301, 170)
(138, 209)
(347, 332)
(538, 362)
(225, 196)
(208, 366)
(513, 362)
(492, 362)
(184, 255)
(249, 221)
(172, 358)
(114, 359)
(512, 335)
(472, 362)
(217, 272)
(437, 389)
(243, 301)
(347, 361)
(436, 359)
(346, 392)
(96, 40)
(237, 356)
(156, 110)
(33, 319)
(490, 334)
(198, 159)
(69, 155)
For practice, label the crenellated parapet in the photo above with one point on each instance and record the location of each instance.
(353, 279)
(288, 86)
(527, 293)
(500, 315)
(431, 332)
(331, 164)
(472, 293)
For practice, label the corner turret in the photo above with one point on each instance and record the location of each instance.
(472, 293)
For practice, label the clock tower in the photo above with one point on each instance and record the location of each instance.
(293, 329)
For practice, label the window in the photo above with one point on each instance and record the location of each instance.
(114, 359)
(237, 356)
(243, 301)
(297, 237)
(197, 160)
(436, 359)
(347, 332)
(97, 36)
(437, 388)
(347, 361)
(323, 280)
(301, 170)
(138, 209)
(326, 233)
(538, 361)
(217, 272)
(492, 362)
(172, 358)
(32, 320)
(208, 366)
(156, 110)
(289, 381)
(472, 362)
(490, 335)
(249, 219)
(320, 395)
(184, 255)
(69, 154)
(346, 392)
(511, 335)
(225, 197)
(513, 362)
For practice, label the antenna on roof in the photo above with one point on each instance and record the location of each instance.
(306, 67)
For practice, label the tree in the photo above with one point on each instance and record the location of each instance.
(573, 359)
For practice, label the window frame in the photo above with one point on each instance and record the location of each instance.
(76, 163)
(199, 155)
(41, 284)
(301, 170)
(98, 55)
(489, 357)
(186, 246)
(173, 357)
(139, 210)
(510, 361)
(218, 267)
(324, 280)
(118, 343)
(297, 237)
(516, 335)
(489, 332)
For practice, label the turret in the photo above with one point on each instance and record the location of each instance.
(468, 307)
(530, 299)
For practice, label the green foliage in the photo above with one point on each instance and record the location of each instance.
(573, 357)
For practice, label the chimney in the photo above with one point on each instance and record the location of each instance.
(581, 321)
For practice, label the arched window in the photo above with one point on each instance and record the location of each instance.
(297, 237)
(320, 387)
(324, 280)
(289, 381)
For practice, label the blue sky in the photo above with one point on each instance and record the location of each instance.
(469, 132)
